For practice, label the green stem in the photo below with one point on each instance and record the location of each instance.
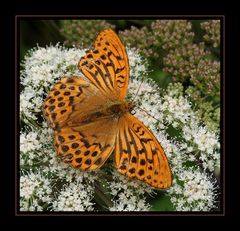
(102, 195)
(32, 122)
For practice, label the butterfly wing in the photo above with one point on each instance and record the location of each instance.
(106, 66)
(87, 146)
(69, 95)
(139, 154)
(83, 137)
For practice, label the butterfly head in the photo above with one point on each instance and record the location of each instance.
(130, 105)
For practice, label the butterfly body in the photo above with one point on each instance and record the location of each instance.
(111, 109)
(120, 107)
(92, 120)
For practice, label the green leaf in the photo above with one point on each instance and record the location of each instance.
(162, 203)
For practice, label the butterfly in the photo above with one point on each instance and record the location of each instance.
(92, 120)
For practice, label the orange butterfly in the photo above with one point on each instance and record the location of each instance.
(91, 120)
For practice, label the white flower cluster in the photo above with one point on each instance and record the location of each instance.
(74, 196)
(29, 141)
(35, 191)
(158, 110)
(138, 65)
(128, 195)
(36, 146)
(197, 192)
(201, 143)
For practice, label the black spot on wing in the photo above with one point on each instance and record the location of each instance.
(141, 172)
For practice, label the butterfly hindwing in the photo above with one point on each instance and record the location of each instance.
(139, 154)
(87, 146)
(106, 66)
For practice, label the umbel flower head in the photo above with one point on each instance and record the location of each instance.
(66, 189)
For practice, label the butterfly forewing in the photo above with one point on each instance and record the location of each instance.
(107, 65)
(69, 96)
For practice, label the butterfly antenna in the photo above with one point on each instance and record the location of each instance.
(145, 111)
(142, 108)
(138, 90)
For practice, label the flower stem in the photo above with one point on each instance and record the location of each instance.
(102, 195)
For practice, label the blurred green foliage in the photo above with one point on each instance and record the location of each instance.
(45, 32)
(41, 32)
(161, 202)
